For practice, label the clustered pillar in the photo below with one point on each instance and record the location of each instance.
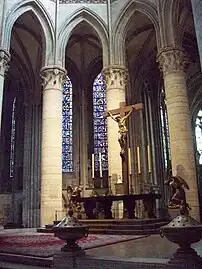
(115, 78)
(4, 59)
(51, 165)
(172, 62)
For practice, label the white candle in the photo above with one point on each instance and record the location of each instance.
(138, 160)
(100, 162)
(109, 168)
(129, 162)
(92, 166)
(149, 158)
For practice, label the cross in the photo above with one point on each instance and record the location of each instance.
(123, 109)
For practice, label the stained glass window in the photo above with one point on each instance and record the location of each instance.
(67, 159)
(100, 123)
(165, 132)
(198, 134)
(12, 145)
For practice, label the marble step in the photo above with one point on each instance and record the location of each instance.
(120, 225)
(124, 232)
(23, 261)
(126, 227)
(123, 221)
(117, 222)
(113, 231)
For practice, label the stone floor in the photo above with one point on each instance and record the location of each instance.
(152, 246)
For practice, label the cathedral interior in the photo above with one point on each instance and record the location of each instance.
(62, 65)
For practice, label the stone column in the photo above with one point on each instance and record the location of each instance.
(115, 78)
(51, 149)
(4, 59)
(197, 14)
(172, 62)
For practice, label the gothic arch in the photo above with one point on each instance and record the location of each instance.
(94, 69)
(121, 25)
(168, 19)
(45, 21)
(83, 14)
(73, 72)
(196, 106)
(183, 22)
(194, 91)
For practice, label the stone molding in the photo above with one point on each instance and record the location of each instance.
(53, 77)
(4, 60)
(172, 60)
(83, 1)
(115, 76)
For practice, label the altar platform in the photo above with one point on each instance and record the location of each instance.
(118, 226)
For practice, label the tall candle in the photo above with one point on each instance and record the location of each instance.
(92, 166)
(129, 162)
(149, 158)
(138, 160)
(100, 162)
(109, 168)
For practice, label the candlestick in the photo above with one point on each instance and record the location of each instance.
(149, 158)
(129, 162)
(100, 161)
(92, 166)
(138, 160)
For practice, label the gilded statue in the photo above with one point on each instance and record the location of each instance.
(72, 201)
(122, 129)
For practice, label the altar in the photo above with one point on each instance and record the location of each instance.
(95, 204)
(100, 206)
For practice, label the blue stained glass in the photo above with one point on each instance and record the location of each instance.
(13, 133)
(100, 123)
(198, 136)
(67, 159)
(165, 130)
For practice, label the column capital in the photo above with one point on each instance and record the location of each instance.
(4, 60)
(53, 77)
(172, 59)
(115, 76)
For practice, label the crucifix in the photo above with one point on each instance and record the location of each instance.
(123, 113)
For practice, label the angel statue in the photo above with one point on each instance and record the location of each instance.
(178, 199)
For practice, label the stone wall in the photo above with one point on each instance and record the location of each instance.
(5, 208)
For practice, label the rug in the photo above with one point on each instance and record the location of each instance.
(46, 245)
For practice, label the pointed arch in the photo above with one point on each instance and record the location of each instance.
(194, 87)
(44, 19)
(168, 17)
(83, 14)
(143, 6)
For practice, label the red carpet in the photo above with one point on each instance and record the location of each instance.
(46, 245)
